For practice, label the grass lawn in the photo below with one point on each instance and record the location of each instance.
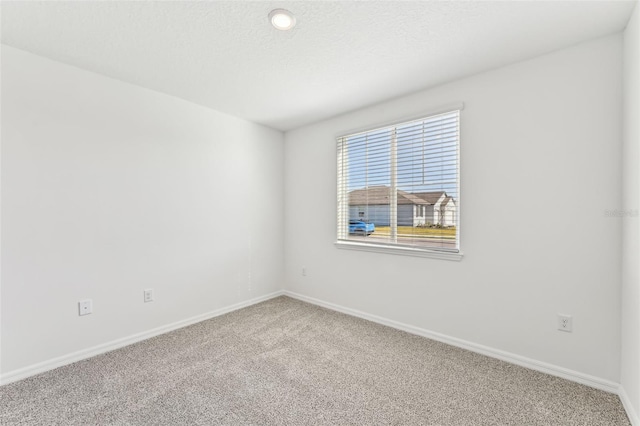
(409, 230)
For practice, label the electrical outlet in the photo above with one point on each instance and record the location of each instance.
(85, 307)
(565, 323)
(148, 295)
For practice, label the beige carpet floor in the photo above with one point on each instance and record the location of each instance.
(285, 362)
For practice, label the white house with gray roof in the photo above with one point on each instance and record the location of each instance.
(414, 208)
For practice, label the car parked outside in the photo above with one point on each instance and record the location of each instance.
(361, 227)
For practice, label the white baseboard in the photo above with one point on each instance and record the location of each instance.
(41, 367)
(554, 370)
(626, 403)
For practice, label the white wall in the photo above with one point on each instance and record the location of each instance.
(545, 132)
(630, 360)
(109, 188)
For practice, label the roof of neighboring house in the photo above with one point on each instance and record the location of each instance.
(446, 201)
(431, 197)
(379, 195)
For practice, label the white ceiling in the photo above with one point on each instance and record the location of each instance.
(341, 55)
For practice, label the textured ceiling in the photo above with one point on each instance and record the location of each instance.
(341, 55)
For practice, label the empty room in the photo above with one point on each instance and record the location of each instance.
(320, 213)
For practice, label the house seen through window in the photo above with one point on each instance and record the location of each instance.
(399, 185)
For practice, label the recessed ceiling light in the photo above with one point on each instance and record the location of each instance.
(282, 19)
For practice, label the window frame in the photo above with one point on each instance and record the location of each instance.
(390, 248)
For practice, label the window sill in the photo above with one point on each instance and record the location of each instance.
(399, 250)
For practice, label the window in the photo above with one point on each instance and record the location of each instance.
(402, 181)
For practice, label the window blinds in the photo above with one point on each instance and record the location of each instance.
(404, 179)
